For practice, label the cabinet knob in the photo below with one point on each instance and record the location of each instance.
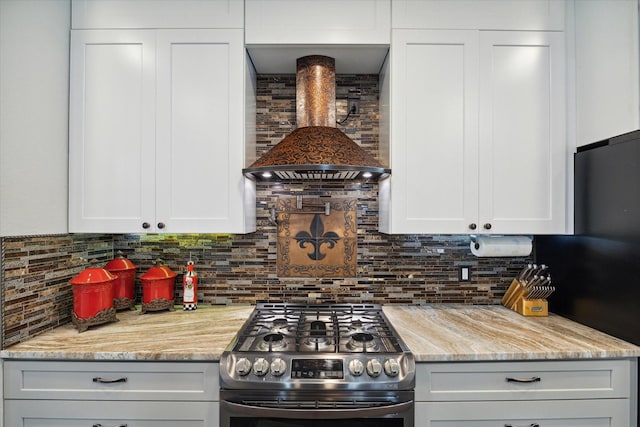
(472, 226)
(161, 225)
(146, 225)
(487, 226)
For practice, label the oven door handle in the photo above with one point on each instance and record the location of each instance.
(323, 414)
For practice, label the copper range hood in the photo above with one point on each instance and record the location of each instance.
(316, 150)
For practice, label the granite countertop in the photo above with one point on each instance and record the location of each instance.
(202, 334)
(484, 333)
(432, 333)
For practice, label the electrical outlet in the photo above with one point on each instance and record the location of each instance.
(464, 273)
(353, 105)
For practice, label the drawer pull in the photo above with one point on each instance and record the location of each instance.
(119, 425)
(530, 425)
(523, 380)
(108, 381)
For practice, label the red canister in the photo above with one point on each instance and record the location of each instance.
(158, 288)
(124, 286)
(92, 297)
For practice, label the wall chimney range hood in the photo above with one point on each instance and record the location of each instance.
(316, 150)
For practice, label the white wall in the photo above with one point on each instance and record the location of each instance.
(34, 87)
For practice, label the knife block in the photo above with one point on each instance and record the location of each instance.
(514, 299)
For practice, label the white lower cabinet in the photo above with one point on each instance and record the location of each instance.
(106, 394)
(597, 393)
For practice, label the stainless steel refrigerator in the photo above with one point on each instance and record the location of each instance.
(597, 270)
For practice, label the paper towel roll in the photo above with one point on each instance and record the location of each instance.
(496, 246)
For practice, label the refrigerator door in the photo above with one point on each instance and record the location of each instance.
(607, 189)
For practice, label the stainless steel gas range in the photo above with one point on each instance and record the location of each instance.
(317, 365)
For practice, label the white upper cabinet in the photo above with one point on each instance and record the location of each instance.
(128, 14)
(477, 133)
(112, 131)
(522, 133)
(356, 33)
(157, 132)
(326, 22)
(479, 15)
(606, 69)
(434, 137)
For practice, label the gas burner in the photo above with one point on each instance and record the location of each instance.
(362, 341)
(355, 325)
(280, 322)
(318, 336)
(315, 343)
(272, 342)
(280, 326)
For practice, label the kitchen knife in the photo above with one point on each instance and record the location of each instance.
(524, 272)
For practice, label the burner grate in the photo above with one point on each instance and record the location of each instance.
(330, 328)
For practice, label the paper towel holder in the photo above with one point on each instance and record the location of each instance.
(508, 239)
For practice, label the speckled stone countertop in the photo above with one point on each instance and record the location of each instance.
(432, 333)
(484, 333)
(202, 334)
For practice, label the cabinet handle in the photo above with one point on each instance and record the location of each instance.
(487, 226)
(473, 226)
(161, 225)
(523, 380)
(109, 381)
(146, 225)
(119, 425)
(530, 425)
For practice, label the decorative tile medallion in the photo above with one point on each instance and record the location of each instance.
(317, 239)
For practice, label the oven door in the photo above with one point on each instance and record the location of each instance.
(316, 409)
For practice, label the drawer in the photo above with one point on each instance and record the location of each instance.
(176, 381)
(69, 413)
(566, 413)
(580, 379)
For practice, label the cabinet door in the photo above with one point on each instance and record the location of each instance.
(199, 144)
(552, 413)
(310, 22)
(523, 149)
(434, 102)
(111, 131)
(606, 69)
(77, 413)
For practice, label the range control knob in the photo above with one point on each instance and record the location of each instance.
(391, 367)
(356, 367)
(243, 367)
(260, 367)
(374, 368)
(278, 367)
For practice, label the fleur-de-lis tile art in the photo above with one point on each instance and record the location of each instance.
(317, 238)
(312, 244)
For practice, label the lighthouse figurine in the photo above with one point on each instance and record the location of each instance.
(190, 288)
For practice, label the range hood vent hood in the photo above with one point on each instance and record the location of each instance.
(316, 150)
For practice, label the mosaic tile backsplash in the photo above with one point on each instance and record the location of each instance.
(243, 269)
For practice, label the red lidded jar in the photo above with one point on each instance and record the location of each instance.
(92, 292)
(124, 286)
(158, 283)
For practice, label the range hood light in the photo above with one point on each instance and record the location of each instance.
(316, 150)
